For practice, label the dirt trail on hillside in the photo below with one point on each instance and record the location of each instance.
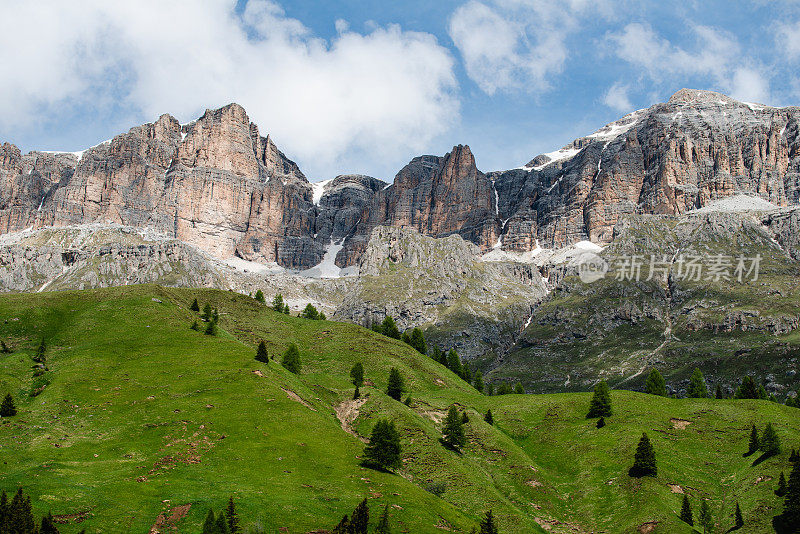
(347, 412)
(295, 397)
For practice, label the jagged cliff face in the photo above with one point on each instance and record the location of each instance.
(668, 159)
(218, 184)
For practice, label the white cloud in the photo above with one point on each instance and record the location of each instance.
(617, 98)
(388, 91)
(717, 58)
(788, 39)
(515, 44)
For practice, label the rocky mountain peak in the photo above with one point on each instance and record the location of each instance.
(699, 96)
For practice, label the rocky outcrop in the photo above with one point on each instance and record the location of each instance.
(217, 184)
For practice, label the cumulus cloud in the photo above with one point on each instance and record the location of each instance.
(717, 57)
(788, 39)
(322, 101)
(617, 97)
(515, 44)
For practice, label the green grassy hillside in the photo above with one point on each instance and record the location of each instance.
(139, 415)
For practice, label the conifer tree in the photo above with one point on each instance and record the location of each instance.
(40, 357)
(357, 374)
(755, 442)
(211, 329)
(389, 328)
(453, 431)
(686, 511)
(291, 359)
(418, 341)
(518, 389)
(310, 312)
(489, 418)
(706, 520)
(260, 297)
(504, 389)
(478, 382)
(487, 524)
(261, 353)
(396, 385)
(195, 307)
(221, 526)
(207, 312)
(747, 389)
(383, 522)
(286, 309)
(697, 386)
(277, 303)
(718, 392)
(467, 373)
(383, 449)
(8, 409)
(738, 520)
(789, 520)
(359, 521)
(343, 527)
(20, 514)
(600, 406)
(442, 359)
(489, 389)
(770, 443)
(655, 385)
(436, 354)
(48, 525)
(232, 517)
(209, 525)
(454, 363)
(644, 462)
(781, 491)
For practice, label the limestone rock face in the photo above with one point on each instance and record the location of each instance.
(668, 159)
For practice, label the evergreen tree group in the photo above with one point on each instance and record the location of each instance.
(291, 359)
(749, 390)
(227, 522)
(789, 520)
(383, 449)
(310, 312)
(600, 405)
(388, 328)
(396, 385)
(453, 430)
(644, 463)
(16, 516)
(8, 408)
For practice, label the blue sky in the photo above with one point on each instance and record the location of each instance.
(356, 86)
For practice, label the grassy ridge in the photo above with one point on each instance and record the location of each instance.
(139, 410)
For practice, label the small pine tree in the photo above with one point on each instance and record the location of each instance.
(210, 523)
(418, 341)
(770, 443)
(260, 297)
(8, 409)
(286, 309)
(383, 522)
(489, 418)
(504, 389)
(221, 526)
(755, 442)
(383, 449)
(48, 525)
(789, 520)
(747, 389)
(697, 386)
(406, 338)
(195, 307)
(489, 389)
(277, 303)
(396, 385)
(601, 422)
(40, 356)
(232, 517)
(453, 431)
(359, 521)
(718, 392)
(211, 329)
(600, 406)
(322, 317)
(207, 312)
(389, 328)
(357, 374)
(310, 312)
(518, 389)
(261, 353)
(291, 359)
(738, 520)
(781, 491)
(478, 382)
(441, 357)
(686, 511)
(487, 524)
(454, 363)
(706, 520)
(655, 385)
(644, 463)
